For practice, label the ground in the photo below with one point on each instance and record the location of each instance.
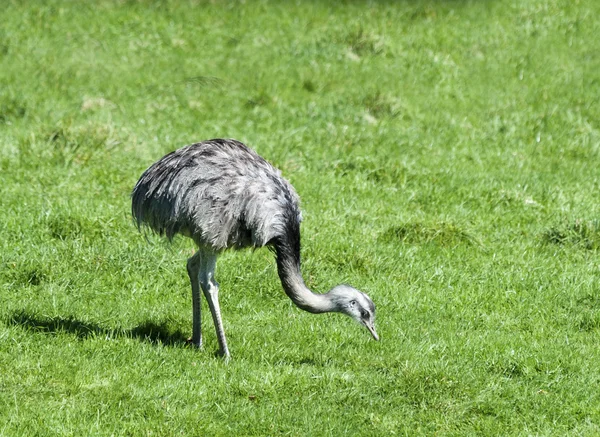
(446, 153)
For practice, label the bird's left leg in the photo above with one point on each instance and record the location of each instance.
(193, 268)
(210, 287)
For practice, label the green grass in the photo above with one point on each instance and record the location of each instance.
(446, 154)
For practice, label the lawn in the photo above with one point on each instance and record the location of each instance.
(447, 155)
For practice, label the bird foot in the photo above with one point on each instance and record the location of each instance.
(196, 344)
(224, 355)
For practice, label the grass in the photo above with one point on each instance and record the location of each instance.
(447, 157)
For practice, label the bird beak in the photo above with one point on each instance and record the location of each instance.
(371, 329)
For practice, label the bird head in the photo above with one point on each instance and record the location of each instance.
(356, 304)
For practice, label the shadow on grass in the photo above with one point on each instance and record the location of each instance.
(155, 333)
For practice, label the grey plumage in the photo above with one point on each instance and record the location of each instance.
(222, 194)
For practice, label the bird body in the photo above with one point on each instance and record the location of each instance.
(220, 193)
(223, 195)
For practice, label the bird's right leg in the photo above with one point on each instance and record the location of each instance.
(210, 287)
(193, 268)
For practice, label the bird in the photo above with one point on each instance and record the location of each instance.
(223, 195)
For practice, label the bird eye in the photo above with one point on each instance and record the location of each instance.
(364, 314)
(352, 303)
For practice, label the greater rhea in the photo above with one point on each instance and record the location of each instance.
(222, 194)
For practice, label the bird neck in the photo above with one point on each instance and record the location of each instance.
(288, 267)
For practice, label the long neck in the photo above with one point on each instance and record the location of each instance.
(288, 266)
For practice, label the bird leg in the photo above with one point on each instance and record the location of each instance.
(210, 287)
(193, 268)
